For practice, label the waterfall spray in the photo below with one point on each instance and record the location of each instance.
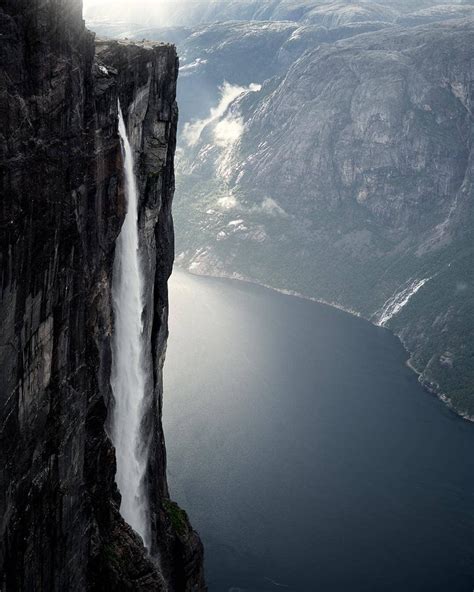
(128, 378)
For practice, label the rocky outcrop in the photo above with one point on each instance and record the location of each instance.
(62, 208)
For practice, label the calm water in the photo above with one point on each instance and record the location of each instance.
(305, 451)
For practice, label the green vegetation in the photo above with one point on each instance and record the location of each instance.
(438, 326)
(178, 517)
(111, 557)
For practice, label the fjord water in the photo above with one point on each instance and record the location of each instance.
(305, 451)
(128, 369)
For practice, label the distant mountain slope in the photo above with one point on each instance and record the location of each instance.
(349, 178)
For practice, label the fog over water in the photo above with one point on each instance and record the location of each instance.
(306, 452)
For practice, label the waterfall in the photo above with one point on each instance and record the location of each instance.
(128, 378)
(399, 300)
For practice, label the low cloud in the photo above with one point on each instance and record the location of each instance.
(270, 206)
(227, 129)
(227, 203)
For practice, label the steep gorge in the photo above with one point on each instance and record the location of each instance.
(63, 205)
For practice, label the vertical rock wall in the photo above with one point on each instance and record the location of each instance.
(62, 205)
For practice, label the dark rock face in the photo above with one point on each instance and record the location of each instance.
(62, 208)
(146, 79)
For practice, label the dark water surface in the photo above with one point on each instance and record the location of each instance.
(305, 451)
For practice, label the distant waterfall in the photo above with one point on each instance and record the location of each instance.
(128, 377)
(399, 300)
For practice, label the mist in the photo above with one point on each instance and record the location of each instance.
(146, 12)
(227, 129)
(141, 11)
(191, 12)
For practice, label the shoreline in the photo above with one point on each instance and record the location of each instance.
(429, 387)
(247, 280)
(433, 388)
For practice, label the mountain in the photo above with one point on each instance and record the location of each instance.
(63, 204)
(348, 178)
(325, 149)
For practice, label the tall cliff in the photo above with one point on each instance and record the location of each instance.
(62, 207)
